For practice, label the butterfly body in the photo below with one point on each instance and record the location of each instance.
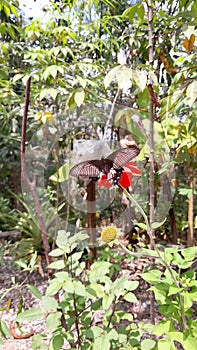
(113, 164)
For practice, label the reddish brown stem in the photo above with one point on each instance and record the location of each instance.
(32, 184)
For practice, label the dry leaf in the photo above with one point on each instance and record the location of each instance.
(188, 44)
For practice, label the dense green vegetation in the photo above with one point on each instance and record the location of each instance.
(114, 72)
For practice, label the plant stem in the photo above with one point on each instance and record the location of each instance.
(153, 245)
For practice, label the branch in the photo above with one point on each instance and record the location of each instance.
(32, 184)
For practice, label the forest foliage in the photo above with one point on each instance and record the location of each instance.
(93, 80)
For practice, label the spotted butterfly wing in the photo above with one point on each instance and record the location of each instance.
(116, 161)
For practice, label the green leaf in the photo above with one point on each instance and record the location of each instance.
(59, 264)
(57, 342)
(49, 303)
(33, 260)
(130, 12)
(93, 332)
(51, 70)
(140, 78)
(6, 10)
(131, 285)
(153, 276)
(37, 341)
(99, 269)
(122, 73)
(156, 225)
(163, 327)
(30, 315)
(35, 291)
(142, 225)
(107, 301)
(53, 321)
(54, 287)
(79, 288)
(79, 97)
(185, 192)
(148, 344)
(62, 174)
(102, 342)
(4, 330)
(53, 93)
(56, 252)
(17, 77)
(130, 297)
(165, 344)
(43, 93)
(98, 290)
(191, 93)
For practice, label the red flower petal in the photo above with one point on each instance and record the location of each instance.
(126, 179)
(104, 182)
(132, 167)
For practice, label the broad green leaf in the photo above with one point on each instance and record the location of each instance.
(53, 93)
(93, 332)
(59, 264)
(79, 288)
(142, 225)
(107, 301)
(79, 97)
(191, 93)
(165, 344)
(140, 78)
(174, 290)
(35, 291)
(17, 77)
(130, 297)
(54, 287)
(122, 73)
(30, 315)
(156, 225)
(99, 269)
(53, 321)
(102, 342)
(56, 252)
(43, 93)
(148, 344)
(189, 253)
(163, 327)
(153, 276)
(97, 289)
(49, 303)
(51, 70)
(57, 342)
(131, 285)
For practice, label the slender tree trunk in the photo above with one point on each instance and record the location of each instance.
(190, 236)
(32, 184)
(151, 144)
(91, 215)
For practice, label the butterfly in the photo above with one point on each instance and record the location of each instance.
(113, 164)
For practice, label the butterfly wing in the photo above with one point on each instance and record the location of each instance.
(124, 155)
(86, 169)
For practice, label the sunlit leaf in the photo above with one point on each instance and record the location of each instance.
(79, 97)
(191, 93)
(30, 315)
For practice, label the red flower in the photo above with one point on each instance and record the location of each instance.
(125, 181)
